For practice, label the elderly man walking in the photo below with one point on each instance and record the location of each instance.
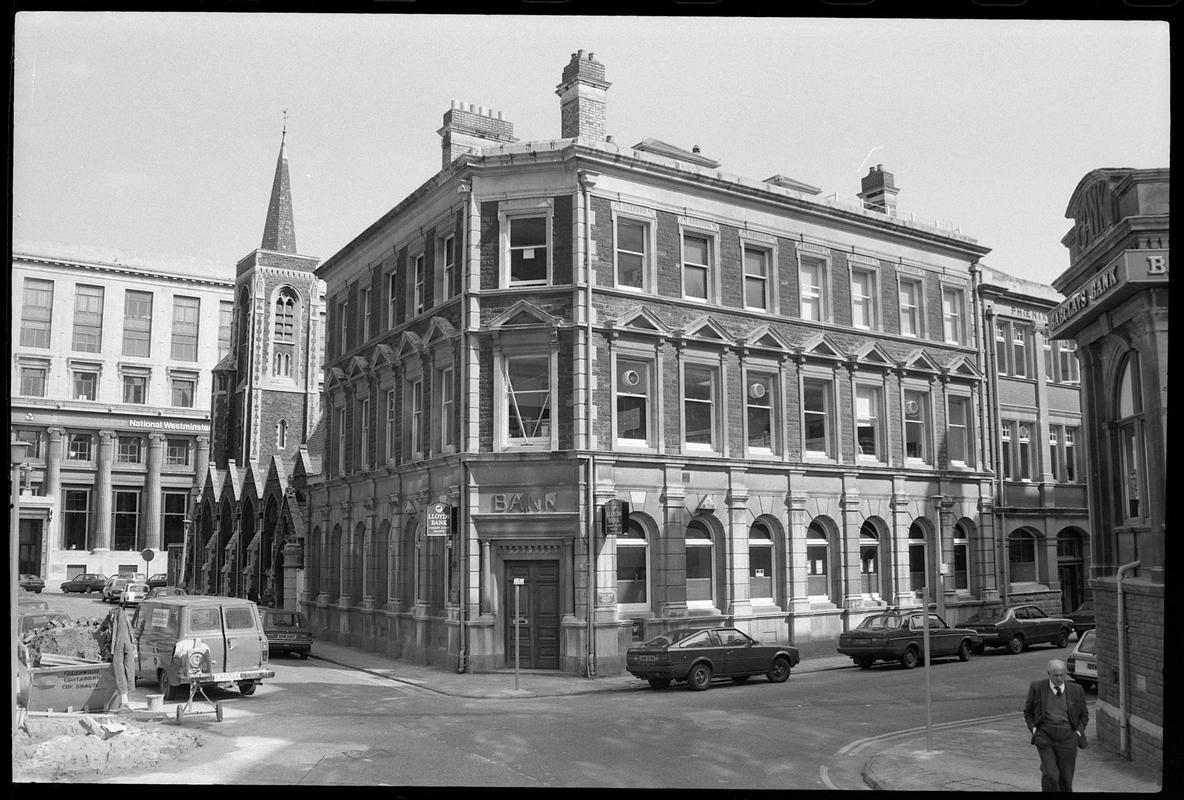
(1056, 715)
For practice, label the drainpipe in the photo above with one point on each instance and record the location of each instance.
(464, 188)
(587, 180)
(1122, 720)
(997, 444)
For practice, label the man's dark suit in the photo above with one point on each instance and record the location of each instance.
(1057, 745)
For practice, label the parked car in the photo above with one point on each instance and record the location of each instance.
(287, 631)
(28, 602)
(166, 591)
(159, 579)
(113, 588)
(1018, 627)
(133, 594)
(1082, 664)
(1083, 617)
(86, 582)
(205, 639)
(900, 636)
(132, 576)
(700, 655)
(32, 620)
(31, 583)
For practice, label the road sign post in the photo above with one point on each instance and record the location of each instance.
(147, 555)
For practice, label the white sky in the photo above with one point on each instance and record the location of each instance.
(157, 133)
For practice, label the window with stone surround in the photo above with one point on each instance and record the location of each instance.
(37, 313)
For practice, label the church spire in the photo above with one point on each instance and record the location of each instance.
(279, 232)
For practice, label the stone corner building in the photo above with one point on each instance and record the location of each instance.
(1116, 310)
(249, 518)
(785, 388)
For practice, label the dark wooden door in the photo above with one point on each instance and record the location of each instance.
(538, 612)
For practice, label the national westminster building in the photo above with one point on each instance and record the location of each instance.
(796, 409)
(783, 392)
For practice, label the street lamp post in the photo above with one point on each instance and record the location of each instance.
(19, 449)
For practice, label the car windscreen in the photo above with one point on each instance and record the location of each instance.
(880, 622)
(987, 615)
(283, 619)
(666, 639)
(1086, 645)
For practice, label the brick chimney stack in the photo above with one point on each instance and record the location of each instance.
(468, 128)
(582, 91)
(879, 191)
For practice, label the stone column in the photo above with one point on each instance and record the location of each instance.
(345, 558)
(672, 560)
(904, 595)
(797, 590)
(984, 549)
(368, 553)
(201, 460)
(852, 563)
(151, 521)
(53, 464)
(323, 568)
(738, 602)
(487, 606)
(103, 495)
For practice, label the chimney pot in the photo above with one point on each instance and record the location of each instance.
(695, 148)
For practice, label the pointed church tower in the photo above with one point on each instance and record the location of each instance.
(267, 389)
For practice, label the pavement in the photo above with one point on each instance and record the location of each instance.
(946, 757)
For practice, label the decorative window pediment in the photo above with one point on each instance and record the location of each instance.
(358, 368)
(872, 353)
(820, 345)
(641, 320)
(963, 367)
(337, 378)
(523, 314)
(918, 360)
(707, 328)
(439, 330)
(409, 345)
(384, 357)
(765, 338)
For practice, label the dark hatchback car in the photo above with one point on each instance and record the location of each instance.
(700, 655)
(31, 583)
(1083, 618)
(900, 636)
(1018, 627)
(286, 631)
(159, 579)
(86, 582)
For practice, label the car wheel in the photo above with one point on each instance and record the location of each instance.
(1015, 644)
(740, 678)
(910, 659)
(247, 687)
(699, 677)
(778, 670)
(168, 690)
(1062, 639)
(658, 683)
(865, 663)
(964, 651)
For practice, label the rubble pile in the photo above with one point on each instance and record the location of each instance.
(76, 639)
(60, 749)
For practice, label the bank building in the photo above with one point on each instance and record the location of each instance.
(619, 389)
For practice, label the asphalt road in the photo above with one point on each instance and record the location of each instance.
(317, 723)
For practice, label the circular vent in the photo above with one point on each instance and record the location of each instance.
(912, 408)
(756, 390)
(631, 378)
